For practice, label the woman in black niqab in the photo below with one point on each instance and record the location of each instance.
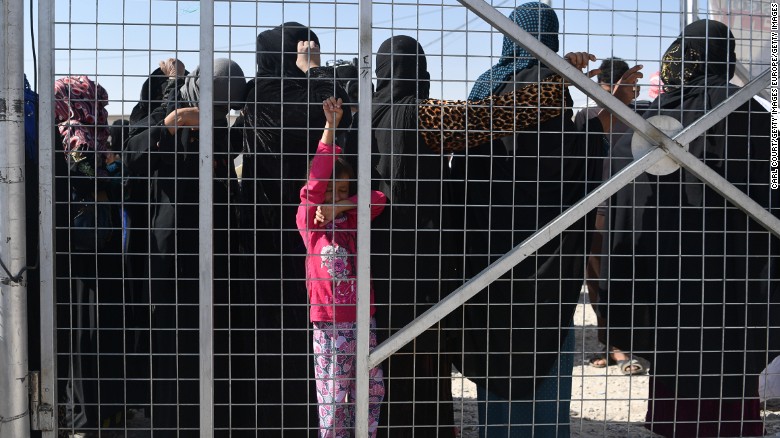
(517, 337)
(165, 153)
(421, 407)
(691, 280)
(282, 123)
(402, 80)
(417, 252)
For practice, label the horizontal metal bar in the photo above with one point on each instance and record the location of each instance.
(513, 257)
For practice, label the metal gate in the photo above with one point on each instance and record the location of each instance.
(208, 297)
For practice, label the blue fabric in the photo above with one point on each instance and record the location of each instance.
(125, 228)
(544, 415)
(539, 20)
(30, 121)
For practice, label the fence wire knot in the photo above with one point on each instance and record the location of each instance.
(12, 278)
(4, 420)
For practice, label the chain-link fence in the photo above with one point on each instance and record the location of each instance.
(540, 220)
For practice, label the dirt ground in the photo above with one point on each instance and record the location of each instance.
(605, 403)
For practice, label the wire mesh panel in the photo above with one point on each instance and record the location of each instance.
(126, 219)
(561, 241)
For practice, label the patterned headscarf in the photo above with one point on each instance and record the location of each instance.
(81, 116)
(705, 48)
(539, 20)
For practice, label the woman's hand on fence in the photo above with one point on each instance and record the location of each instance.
(580, 60)
(308, 55)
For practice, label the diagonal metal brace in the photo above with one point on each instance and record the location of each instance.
(513, 257)
(708, 176)
(629, 173)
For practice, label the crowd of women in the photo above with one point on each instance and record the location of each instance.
(689, 281)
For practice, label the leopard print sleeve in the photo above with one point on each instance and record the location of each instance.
(453, 125)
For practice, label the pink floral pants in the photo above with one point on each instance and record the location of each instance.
(335, 345)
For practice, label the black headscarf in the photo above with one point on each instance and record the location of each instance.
(291, 128)
(703, 53)
(401, 71)
(680, 284)
(280, 80)
(277, 50)
(152, 106)
(410, 240)
(152, 92)
(402, 79)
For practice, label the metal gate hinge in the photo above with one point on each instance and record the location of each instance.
(41, 414)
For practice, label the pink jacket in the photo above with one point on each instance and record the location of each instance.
(331, 264)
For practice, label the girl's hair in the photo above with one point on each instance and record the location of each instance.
(343, 168)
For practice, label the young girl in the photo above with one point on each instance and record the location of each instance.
(327, 221)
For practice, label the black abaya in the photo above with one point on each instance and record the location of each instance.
(515, 328)
(282, 124)
(417, 242)
(691, 280)
(170, 162)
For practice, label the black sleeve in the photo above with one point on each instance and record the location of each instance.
(584, 115)
(141, 154)
(557, 152)
(596, 150)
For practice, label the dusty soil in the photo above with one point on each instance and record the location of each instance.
(605, 403)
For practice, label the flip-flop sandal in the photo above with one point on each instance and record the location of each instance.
(631, 367)
(602, 361)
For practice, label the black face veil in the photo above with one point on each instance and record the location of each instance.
(705, 49)
(277, 50)
(401, 70)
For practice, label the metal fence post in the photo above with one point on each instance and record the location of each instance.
(48, 381)
(206, 219)
(689, 11)
(364, 219)
(14, 404)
